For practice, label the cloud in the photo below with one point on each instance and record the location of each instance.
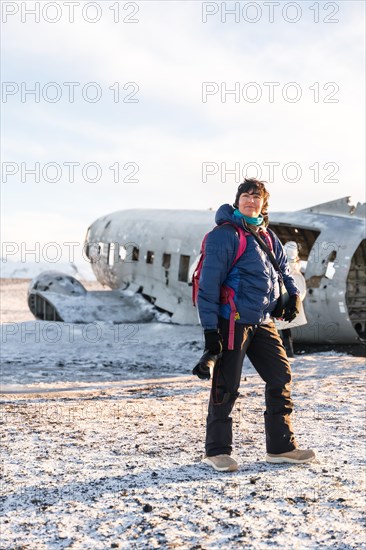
(171, 132)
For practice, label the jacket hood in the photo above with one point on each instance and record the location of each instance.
(225, 214)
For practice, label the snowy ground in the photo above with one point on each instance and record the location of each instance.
(103, 436)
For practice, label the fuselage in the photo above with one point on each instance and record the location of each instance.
(153, 252)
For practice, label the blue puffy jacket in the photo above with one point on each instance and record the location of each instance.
(253, 278)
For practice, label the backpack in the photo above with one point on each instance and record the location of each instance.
(226, 293)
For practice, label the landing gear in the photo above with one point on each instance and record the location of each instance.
(287, 341)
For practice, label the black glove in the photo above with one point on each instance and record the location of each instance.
(205, 365)
(293, 308)
(213, 341)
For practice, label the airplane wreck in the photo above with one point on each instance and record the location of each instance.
(152, 253)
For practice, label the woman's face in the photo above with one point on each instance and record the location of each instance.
(250, 204)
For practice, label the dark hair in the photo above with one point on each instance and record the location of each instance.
(257, 186)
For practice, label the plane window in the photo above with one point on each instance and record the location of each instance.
(183, 268)
(150, 257)
(330, 271)
(166, 261)
(122, 252)
(86, 243)
(135, 254)
(111, 249)
(93, 251)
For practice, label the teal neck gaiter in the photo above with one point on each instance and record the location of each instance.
(248, 219)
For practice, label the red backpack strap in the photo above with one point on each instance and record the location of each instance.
(227, 297)
(227, 294)
(195, 280)
(242, 240)
(242, 244)
(197, 271)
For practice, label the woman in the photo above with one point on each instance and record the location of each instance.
(254, 285)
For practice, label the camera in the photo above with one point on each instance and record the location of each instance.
(206, 365)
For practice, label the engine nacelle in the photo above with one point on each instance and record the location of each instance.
(53, 282)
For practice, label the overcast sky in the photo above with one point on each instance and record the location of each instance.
(148, 118)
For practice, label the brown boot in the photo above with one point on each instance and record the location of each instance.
(297, 456)
(221, 463)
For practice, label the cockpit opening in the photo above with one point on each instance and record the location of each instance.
(122, 252)
(304, 238)
(110, 253)
(356, 291)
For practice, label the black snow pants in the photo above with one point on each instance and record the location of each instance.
(265, 350)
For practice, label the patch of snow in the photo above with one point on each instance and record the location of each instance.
(121, 465)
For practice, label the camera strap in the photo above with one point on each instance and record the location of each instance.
(265, 248)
